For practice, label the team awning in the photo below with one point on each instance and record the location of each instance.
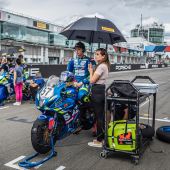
(158, 48)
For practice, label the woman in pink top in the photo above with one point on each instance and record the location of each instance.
(98, 80)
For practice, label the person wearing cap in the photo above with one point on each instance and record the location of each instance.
(79, 65)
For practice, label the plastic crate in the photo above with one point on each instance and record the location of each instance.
(146, 87)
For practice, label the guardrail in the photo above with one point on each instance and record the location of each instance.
(47, 70)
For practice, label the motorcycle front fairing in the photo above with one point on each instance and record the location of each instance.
(58, 99)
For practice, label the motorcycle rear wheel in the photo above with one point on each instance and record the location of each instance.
(88, 119)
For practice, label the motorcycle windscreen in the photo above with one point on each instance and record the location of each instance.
(52, 81)
(48, 90)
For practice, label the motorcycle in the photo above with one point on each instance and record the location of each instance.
(6, 86)
(60, 105)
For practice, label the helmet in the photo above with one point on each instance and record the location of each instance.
(67, 76)
(80, 45)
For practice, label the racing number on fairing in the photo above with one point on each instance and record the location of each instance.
(46, 92)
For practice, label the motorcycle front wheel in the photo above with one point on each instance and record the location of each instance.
(40, 137)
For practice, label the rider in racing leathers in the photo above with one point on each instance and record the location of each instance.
(79, 66)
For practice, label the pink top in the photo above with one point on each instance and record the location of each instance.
(103, 72)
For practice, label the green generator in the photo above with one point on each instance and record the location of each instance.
(122, 135)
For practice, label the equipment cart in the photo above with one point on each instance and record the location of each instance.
(128, 136)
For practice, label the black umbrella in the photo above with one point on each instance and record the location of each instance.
(93, 30)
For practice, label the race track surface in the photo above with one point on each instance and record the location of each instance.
(73, 151)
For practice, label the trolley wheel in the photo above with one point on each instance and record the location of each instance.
(104, 154)
(135, 160)
(55, 153)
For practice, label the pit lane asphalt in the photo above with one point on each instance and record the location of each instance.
(73, 151)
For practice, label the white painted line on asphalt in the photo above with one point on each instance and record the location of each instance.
(159, 120)
(61, 168)
(5, 107)
(144, 103)
(11, 164)
(145, 114)
(14, 164)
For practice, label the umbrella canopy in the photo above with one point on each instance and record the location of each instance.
(93, 30)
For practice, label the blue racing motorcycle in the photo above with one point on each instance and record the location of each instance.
(60, 105)
(6, 86)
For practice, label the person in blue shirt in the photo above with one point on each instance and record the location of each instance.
(36, 84)
(79, 65)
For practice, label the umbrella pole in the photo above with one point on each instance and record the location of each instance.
(98, 45)
(91, 43)
(106, 47)
(91, 50)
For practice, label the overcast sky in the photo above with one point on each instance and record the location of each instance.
(124, 13)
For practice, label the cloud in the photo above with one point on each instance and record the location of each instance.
(147, 3)
(4, 3)
(167, 29)
(68, 20)
(150, 20)
(125, 14)
(95, 15)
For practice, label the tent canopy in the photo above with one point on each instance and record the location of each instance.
(149, 48)
(167, 49)
(159, 48)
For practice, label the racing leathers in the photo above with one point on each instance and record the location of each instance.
(79, 67)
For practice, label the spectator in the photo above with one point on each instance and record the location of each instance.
(4, 65)
(18, 82)
(36, 84)
(98, 80)
(21, 57)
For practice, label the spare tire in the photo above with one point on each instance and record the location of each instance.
(163, 133)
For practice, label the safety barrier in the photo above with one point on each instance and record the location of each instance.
(47, 70)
